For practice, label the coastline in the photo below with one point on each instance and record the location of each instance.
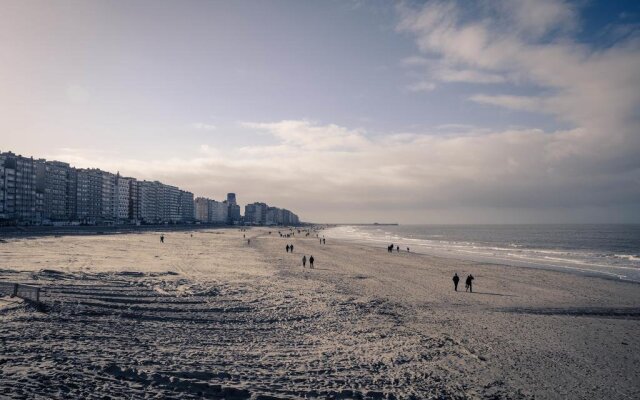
(212, 314)
(561, 260)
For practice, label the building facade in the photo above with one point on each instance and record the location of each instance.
(52, 181)
(186, 206)
(19, 202)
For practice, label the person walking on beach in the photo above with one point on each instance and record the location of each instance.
(311, 262)
(324, 241)
(397, 249)
(304, 261)
(291, 247)
(456, 279)
(161, 238)
(287, 248)
(249, 241)
(468, 284)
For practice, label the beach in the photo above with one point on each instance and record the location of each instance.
(208, 315)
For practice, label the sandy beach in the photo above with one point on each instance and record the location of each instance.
(207, 315)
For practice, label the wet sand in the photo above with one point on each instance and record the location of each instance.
(210, 316)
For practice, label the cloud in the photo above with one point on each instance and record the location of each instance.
(423, 86)
(309, 136)
(329, 172)
(522, 103)
(529, 44)
(203, 126)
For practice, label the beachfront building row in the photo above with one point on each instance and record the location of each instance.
(37, 191)
(263, 214)
(52, 192)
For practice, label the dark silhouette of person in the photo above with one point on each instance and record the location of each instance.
(397, 249)
(161, 238)
(324, 241)
(287, 248)
(291, 248)
(456, 279)
(248, 241)
(468, 284)
(408, 250)
(311, 262)
(304, 261)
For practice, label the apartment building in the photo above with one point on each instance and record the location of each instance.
(19, 199)
(202, 209)
(123, 198)
(186, 206)
(52, 190)
(89, 195)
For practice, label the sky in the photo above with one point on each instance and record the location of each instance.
(501, 111)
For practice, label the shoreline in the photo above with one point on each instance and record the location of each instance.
(512, 263)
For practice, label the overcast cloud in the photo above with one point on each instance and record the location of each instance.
(506, 111)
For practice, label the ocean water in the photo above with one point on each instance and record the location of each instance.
(611, 251)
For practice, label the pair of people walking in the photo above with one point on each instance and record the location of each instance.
(304, 261)
(468, 283)
(289, 248)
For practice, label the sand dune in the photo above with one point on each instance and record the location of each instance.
(211, 316)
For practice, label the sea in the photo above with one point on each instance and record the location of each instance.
(609, 251)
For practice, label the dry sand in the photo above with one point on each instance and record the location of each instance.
(210, 316)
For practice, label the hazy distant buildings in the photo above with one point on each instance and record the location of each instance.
(53, 192)
(218, 212)
(262, 214)
(233, 209)
(211, 211)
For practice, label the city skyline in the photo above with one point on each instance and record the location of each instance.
(424, 112)
(36, 191)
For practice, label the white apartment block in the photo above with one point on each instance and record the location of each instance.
(123, 204)
(218, 212)
(109, 199)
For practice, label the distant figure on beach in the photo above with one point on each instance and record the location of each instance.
(456, 279)
(248, 241)
(408, 250)
(311, 262)
(287, 248)
(397, 249)
(291, 248)
(304, 261)
(390, 248)
(468, 284)
(324, 241)
(161, 238)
